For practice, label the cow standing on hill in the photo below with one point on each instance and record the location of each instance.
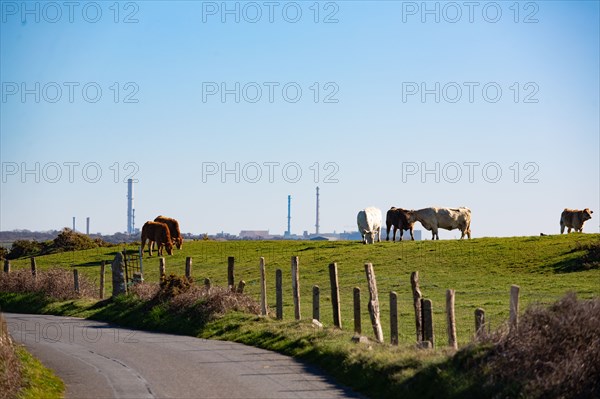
(445, 218)
(574, 219)
(159, 233)
(173, 226)
(398, 218)
(369, 224)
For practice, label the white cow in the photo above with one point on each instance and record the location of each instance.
(369, 224)
(445, 218)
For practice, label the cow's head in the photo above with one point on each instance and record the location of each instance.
(169, 247)
(587, 214)
(411, 216)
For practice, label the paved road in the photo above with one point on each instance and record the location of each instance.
(99, 360)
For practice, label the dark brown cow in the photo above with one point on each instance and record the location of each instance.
(574, 219)
(173, 225)
(398, 218)
(159, 233)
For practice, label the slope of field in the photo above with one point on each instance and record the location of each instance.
(480, 270)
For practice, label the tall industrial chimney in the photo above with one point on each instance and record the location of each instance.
(288, 232)
(130, 210)
(317, 224)
(87, 225)
(73, 223)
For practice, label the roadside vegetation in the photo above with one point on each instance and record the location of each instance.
(556, 346)
(21, 375)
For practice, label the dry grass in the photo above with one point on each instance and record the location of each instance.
(53, 283)
(207, 303)
(554, 353)
(10, 366)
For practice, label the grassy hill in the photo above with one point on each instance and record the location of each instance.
(480, 270)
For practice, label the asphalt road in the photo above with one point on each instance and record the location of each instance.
(99, 360)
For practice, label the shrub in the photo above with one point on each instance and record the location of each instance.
(554, 353)
(69, 240)
(22, 248)
(173, 286)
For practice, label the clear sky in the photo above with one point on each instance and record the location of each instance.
(222, 110)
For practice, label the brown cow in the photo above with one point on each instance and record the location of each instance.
(398, 218)
(159, 233)
(574, 219)
(173, 225)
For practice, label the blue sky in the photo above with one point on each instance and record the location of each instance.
(361, 118)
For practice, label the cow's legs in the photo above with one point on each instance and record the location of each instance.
(395, 230)
(387, 232)
(412, 236)
(379, 234)
(562, 227)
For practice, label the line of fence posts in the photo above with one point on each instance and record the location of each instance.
(423, 308)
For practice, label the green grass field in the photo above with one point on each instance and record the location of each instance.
(480, 270)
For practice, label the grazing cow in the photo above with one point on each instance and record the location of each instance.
(173, 225)
(446, 218)
(574, 219)
(398, 218)
(369, 224)
(159, 233)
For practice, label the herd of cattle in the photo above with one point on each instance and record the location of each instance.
(432, 219)
(164, 231)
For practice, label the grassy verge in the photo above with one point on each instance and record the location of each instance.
(21, 375)
(38, 381)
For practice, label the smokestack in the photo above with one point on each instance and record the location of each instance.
(288, 232)
(73, 223)
(317, 224)
(87, 225)
(130, 211)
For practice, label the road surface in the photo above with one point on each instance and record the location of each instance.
(99, 360)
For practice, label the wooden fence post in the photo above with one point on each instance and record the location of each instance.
(417, 296)
(357, 323)
(427, 308)
(316, 310)
(126, 268)
(76, 280)
(296, 286)
(230, 277)
(188, 267)
(263, 287)
(33, 268)
(241, 286)
(335, 295)
(514, 307)
(374, 302)
(451, 319)
(393, 318)
(162, 268)
(141, 255)
(102, 278)
(279, 294)
(6, 266)
(479, 323)
(207, 284)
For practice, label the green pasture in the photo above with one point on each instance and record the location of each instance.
(481, 272)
